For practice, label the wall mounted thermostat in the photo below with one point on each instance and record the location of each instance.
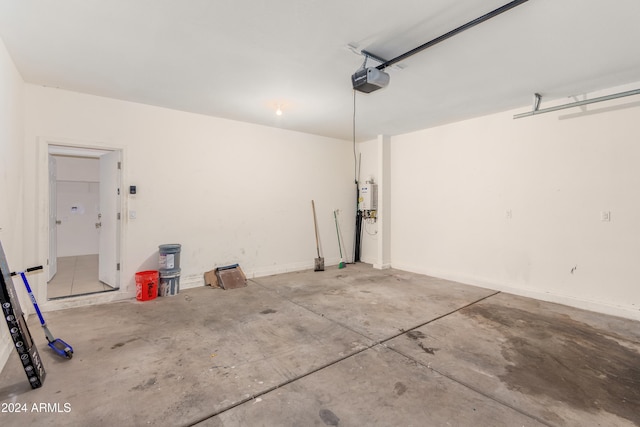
(132, 189)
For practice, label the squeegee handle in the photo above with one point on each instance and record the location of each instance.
(33, 299)
(338, 232)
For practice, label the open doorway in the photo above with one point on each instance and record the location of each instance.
(84, 221)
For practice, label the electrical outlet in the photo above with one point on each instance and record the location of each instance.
(133, 214)
(509, 214)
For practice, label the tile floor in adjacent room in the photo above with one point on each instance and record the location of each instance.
(76, 275)
(343, 347)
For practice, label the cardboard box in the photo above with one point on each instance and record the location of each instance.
(229, 277)
(210, 279)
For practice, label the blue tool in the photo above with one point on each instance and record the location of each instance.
(60, 347)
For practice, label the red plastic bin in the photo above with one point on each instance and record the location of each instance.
(146, 285)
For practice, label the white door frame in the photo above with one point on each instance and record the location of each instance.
(52, 264)
(110, 218)
(42, 220)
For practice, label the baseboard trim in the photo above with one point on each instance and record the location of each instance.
(385, 266)
(627, 312)
(195, 280)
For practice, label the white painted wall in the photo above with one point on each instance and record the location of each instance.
(376, 234)
(227, 191)
(77, 169)
(368, 153)
(453, 185)
(11, 182)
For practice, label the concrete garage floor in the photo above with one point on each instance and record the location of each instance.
(350, 347)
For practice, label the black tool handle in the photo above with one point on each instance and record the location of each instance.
(28, 270)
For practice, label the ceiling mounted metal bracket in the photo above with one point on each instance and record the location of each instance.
(537, 99)
(352, 47)
(574, 104)
(372, 56)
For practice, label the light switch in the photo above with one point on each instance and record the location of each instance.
(605, 216)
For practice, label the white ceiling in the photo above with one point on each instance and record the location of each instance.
(240, 59)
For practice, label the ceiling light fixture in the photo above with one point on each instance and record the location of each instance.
(278, 111)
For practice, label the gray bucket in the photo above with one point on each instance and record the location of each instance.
(169, 257)
(169, 282)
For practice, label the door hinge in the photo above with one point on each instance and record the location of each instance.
(119, 165)
(118, 266)
(118, 215)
